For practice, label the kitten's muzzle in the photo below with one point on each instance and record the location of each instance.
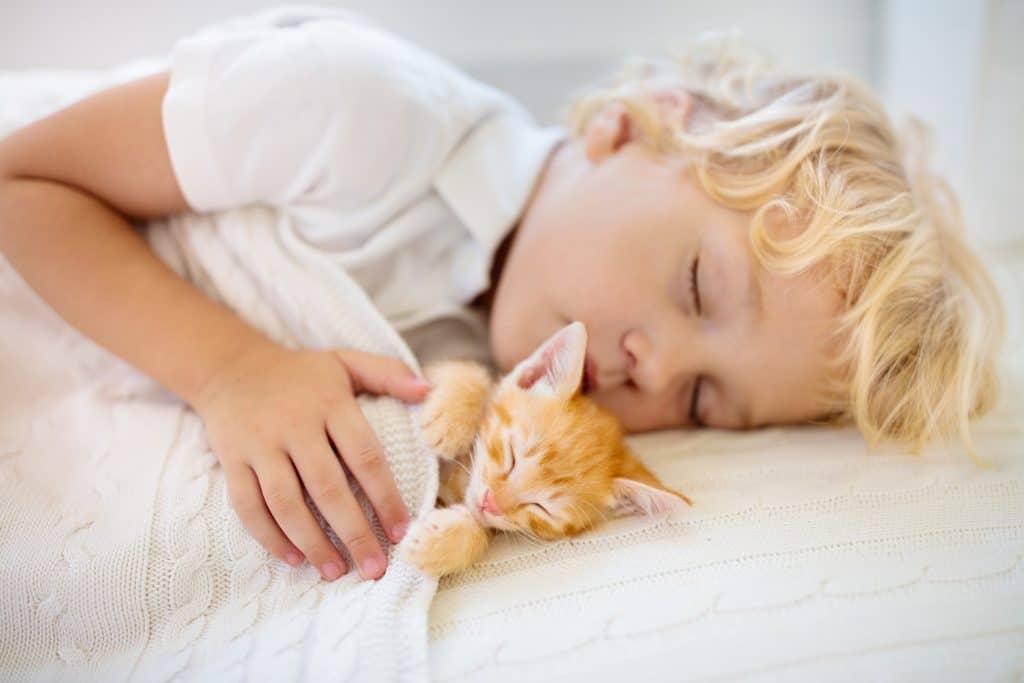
(488, 503)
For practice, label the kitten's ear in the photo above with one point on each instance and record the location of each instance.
(556, 368)
(632, 497)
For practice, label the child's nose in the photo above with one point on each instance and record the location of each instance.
(652, 368)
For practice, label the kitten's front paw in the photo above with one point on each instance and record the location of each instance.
(451, 413)
(444, 541)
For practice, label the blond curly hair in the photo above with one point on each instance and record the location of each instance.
(922, 323)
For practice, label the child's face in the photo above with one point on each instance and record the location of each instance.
(609, 239)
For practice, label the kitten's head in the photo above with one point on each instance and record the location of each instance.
(550, 462)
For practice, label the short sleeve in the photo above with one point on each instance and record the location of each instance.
(277, 115)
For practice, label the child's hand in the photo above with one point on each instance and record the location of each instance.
(268, 414)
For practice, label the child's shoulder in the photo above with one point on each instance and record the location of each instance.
(311, 106)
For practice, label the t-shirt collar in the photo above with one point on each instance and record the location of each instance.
(489, 177)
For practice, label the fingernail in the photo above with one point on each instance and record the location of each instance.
(398, 531)
(372, 567)
(330, 571)
(422, 383)
(293, 558)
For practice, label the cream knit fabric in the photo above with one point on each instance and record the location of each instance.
(120, 555)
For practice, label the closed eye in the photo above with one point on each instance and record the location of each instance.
(543, 509)
(695, 394)
(694, 287)
(512, 462)
(695, 397)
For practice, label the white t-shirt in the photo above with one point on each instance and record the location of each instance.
(405, 171)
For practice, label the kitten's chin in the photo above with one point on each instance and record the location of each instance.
(479, 515)
(489, 521)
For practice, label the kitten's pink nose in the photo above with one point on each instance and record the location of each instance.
(488, 503)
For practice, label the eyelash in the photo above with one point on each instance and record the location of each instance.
(694, 418)
(693, 285)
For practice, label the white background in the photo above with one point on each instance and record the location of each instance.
(959, 65)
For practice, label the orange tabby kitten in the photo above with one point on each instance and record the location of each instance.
(531, 455)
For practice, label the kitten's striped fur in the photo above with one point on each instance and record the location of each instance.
(529, 454)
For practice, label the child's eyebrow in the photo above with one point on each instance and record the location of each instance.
(755, 302)
(731, 263)
(745, 417)
(755, 295)
(734, 399)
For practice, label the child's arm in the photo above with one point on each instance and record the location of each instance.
(68, 184)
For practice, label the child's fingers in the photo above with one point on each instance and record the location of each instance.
(327, 484)
(283, 493)
(362, 452)
(245, 496)
(377, 374)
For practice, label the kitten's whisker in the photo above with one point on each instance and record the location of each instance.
(464, 467)
(530, 536)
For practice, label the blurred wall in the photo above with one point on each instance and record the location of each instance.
(958, 65)
(536, 49)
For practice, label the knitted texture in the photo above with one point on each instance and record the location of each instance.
(122, 558)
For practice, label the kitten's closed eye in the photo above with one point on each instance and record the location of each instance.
(542, 508)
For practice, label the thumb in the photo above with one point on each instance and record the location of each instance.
(376, 374)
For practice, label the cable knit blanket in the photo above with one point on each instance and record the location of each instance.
(122, 558)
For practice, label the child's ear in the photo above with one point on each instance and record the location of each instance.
(607, 131)
(631, 497)
(613, 126)
(556, 368)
